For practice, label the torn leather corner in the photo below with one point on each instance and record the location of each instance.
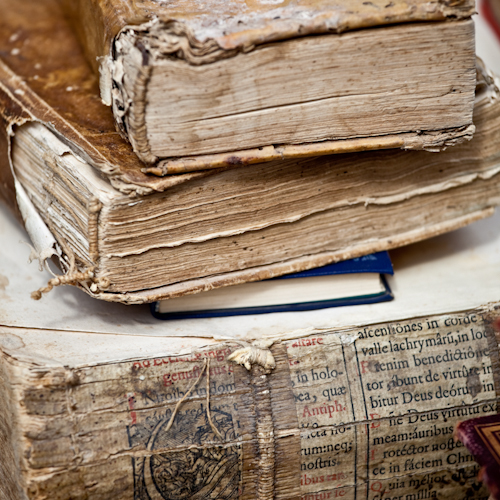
(256, 354)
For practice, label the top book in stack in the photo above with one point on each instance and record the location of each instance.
(196, 85)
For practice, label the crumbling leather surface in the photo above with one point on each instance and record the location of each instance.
(241, 24)
(202, 32)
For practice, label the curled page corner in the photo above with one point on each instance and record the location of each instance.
(43, 241)
(46, 246)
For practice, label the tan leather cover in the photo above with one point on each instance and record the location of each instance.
(202, 32)
(44, 77)
(241, 24)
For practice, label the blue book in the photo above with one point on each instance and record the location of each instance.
(350, 282)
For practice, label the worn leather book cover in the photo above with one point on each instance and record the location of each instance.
(490, 10)
(197, 85)
(481, 436)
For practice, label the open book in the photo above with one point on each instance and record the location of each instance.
(204, 84)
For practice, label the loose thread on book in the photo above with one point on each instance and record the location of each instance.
(216, 431)
(72, 276)
(66, 279)
(206, 367)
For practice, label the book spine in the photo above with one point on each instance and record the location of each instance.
(367, 413)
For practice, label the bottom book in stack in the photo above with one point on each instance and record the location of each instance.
(350, 282)
(344, 402)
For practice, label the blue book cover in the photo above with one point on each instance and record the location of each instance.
(379, 263)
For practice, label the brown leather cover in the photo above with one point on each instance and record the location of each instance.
(481, 436)
(44, 77)
(7, 191)
(242, 24)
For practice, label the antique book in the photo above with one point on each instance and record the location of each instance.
(490, 10)
(196, 85)
(246, 225)
(349, 282)
(125, 235)
(481, 436)
(101, 403)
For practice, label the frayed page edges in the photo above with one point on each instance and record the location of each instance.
(45, 247)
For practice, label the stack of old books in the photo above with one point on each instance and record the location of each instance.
(241, 151)
(161, 149)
